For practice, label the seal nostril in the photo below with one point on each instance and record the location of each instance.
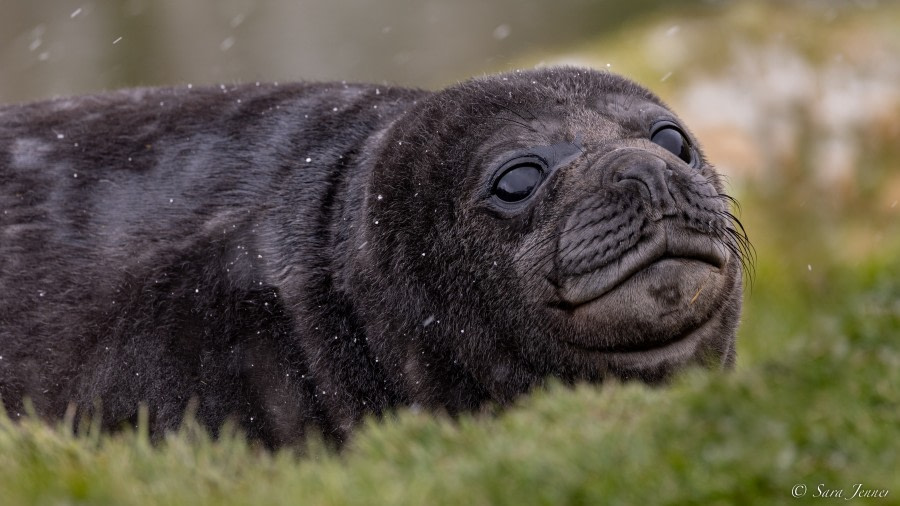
(653, 174)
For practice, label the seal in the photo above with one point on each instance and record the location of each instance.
(298, 256)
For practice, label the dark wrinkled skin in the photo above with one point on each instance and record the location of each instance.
(163, 245)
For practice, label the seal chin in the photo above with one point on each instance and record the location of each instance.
(696, 344)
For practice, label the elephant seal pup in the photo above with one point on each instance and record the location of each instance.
(298, 256)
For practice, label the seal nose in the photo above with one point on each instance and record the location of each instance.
(653, 175)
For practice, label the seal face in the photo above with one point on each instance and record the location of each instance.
(298, 256)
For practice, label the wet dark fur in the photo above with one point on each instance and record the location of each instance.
(167, 244)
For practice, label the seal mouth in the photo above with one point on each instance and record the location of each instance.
(679, 348)
(680, 245)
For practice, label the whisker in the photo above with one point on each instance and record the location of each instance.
(523, 118)
(539, 244)
(501, 118)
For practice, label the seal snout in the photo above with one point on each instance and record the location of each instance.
(651, 175)
(647, 211)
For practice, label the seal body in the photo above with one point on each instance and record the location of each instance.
(297, 256)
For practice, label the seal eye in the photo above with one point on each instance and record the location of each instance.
(517, 183)
(670, 138)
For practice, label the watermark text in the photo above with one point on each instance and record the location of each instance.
(855, 491)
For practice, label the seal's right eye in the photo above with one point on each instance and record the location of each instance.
(672, 139)
(518, 182)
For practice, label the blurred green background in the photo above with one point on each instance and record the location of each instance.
(796, 102)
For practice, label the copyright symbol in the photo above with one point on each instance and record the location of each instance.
(799, 490)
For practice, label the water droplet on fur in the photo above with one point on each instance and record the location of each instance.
(60, 136)
(380, 197)
(308, 160)
(428, 321)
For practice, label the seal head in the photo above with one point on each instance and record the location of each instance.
(558, 222)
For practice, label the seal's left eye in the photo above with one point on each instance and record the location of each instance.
(518, 183)
(674, 142)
